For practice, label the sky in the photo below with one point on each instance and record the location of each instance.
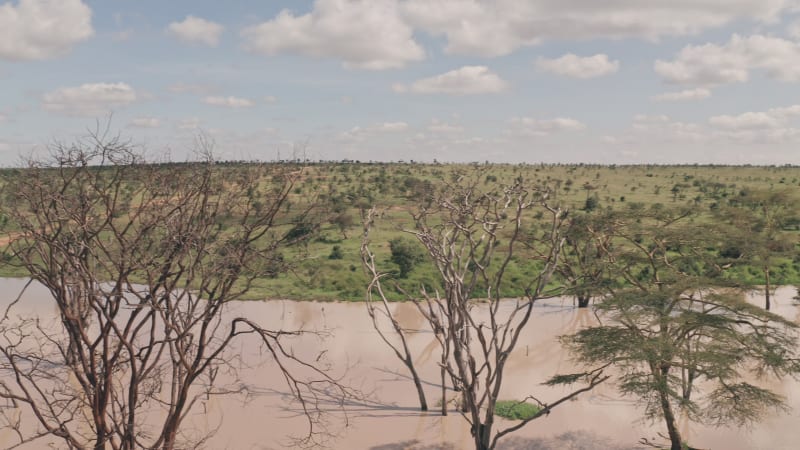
(554, 81)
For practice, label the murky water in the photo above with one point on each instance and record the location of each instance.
(388, 418)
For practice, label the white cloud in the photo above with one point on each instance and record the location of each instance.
(793, 30)
(711, 64)
(685, 95)
(360, 134)
(145, 122)
(41, 29)
(197, 31)
(444, 128)
(365, 34)
(392, 126)
(92, 99)
(191, 123)
(574, 66)
(755, 137)
(188, 88)
(528, 126)
(229, 102)
(464, 81)
(771, 119)
(498, 27)
(270, 99)
(644, 118)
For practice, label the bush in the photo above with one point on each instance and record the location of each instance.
(514, 410)
(406, 254)
(336, 253)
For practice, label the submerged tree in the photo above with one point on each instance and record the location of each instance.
(582, 266)
(684, 340)
(472, 236)
(141, 261)
(757, 235)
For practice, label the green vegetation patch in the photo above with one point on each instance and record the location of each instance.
(515, 410)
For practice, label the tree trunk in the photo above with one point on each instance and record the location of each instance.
(482, 434)
(583, 301)
(672, 426)
(444, 386)
(423, 404)
(100, 444)
(766, 277)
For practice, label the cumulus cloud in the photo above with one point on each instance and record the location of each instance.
(793, 30)
(359, 134)
(42, 29)
(574, 66)
(755, 137)
(493, 28)
(685, 95)
(365, 34)
(529, 126)
(771, 119)
(189, 88)
(439, 127)
(712, 64)
(392, 126)
(197, 31)
(464, 81)
(91, 99)
(191, 123)
(145, 122)
(228, 102)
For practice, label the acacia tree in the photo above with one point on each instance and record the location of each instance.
(461, 229)
(581, 266)
(672, 325)
(141, 261)
(757, 220)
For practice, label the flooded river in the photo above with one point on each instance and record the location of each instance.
(387, 418)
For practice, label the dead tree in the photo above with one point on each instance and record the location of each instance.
(141, 261)
(471, 237)
(378, 309)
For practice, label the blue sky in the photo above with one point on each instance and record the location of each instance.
(675, 81)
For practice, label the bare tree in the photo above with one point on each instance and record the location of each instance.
(141, 261)
(382, 309)
(471, 237)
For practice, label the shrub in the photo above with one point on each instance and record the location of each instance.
(515, 410)
(336, 253)
(406, 254)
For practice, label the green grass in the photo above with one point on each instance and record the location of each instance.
(394, 189)
(515, 410)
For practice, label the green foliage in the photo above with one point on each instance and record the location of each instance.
(301, 231)
(342, 188)
(590, 204)
(680, 333)
(336, 253)
(515, 410)
(406, 253)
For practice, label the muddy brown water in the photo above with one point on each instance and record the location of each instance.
(388, 417)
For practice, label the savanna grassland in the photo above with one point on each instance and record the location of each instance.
(333, 196)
